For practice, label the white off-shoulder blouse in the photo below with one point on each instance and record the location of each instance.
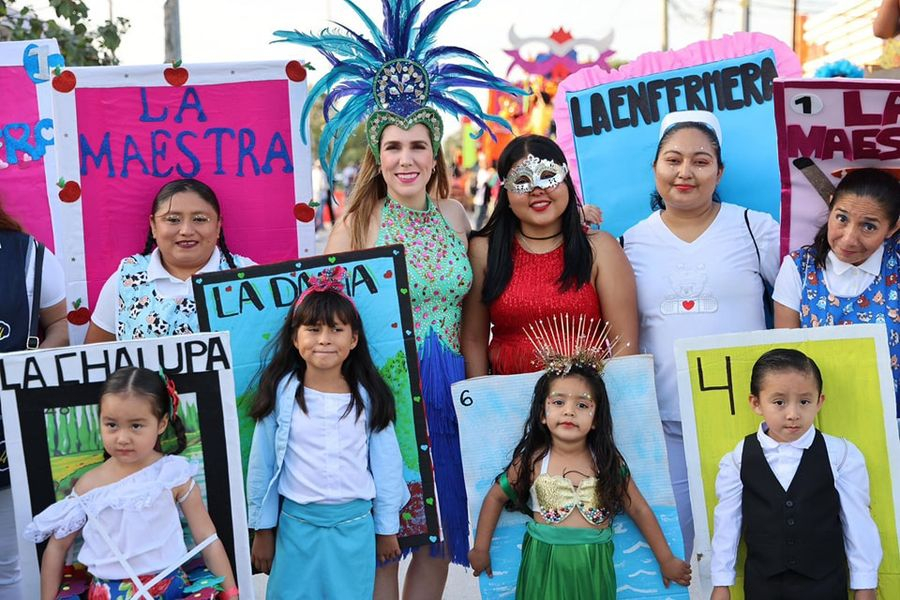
(139, 513)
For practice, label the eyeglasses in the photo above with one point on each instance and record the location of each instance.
(176, 220)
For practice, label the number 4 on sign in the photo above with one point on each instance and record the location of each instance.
(728, 385)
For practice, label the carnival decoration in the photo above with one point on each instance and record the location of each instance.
(826, 128)
(399, 77)
(492, 411)
(49, 400)
(252, 304)
(541, 75)
(561, 59)
(713, 387)
(608, 122)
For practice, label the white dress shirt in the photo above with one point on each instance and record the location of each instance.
(327, 456)
(842, 279)
(861, 542)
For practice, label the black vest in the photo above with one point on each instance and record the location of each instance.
(795, 530)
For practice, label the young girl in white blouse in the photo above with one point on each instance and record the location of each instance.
(126, 509)
(323, 449)
(798, 497)
(849, 273)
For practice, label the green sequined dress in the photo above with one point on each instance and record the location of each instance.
(439, 278)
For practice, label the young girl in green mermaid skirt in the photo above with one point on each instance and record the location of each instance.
(567, 473)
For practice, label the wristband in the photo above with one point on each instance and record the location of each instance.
(507, 488)
(232, 592)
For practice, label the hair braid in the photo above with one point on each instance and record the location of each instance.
(177, 426)
(223, 248)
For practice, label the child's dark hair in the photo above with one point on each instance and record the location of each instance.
(656, 199)
(205, 192)
(325, 308)
(500, 230)
(873, 184)
(779, 360)
(138, 381)
(612, 474)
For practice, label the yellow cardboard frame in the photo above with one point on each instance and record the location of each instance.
(714, 376)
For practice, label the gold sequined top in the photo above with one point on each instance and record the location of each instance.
(554, 497)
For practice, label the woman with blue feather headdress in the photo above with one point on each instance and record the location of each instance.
(395, 80)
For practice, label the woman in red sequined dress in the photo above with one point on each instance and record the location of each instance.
(534, 260)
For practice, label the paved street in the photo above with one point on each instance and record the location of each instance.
(460, 584)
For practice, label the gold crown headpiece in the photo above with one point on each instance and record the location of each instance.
(564, 341)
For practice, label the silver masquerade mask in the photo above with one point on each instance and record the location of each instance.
(534, 172)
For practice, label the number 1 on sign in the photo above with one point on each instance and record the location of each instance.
(805, 102)
(42, 53)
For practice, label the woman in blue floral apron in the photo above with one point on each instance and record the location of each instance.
(849, 273)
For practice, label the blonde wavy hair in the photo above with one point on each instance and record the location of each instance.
(371, 189)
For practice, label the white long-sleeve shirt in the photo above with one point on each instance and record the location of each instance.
(861, 542)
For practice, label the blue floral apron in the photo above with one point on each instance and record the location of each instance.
(878, 303)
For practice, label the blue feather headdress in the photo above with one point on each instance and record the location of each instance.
(392, 78)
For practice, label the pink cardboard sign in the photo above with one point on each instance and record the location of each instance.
(129, 130)
(825, 128)
(27, 156)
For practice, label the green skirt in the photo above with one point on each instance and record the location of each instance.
(566, 563)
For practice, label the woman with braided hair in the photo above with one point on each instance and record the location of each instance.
(150, 294)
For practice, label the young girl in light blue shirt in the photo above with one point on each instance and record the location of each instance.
(324, 449)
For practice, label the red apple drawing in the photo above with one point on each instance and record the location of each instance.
(80, 316)
(176, 74)
(69, 191)
(296, 70)
(64, 81)
(304, 212)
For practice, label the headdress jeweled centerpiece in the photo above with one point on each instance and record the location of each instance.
(399, 77)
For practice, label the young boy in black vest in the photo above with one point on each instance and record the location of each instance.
(799, 498)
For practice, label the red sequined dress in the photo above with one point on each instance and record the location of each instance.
(532, 293)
